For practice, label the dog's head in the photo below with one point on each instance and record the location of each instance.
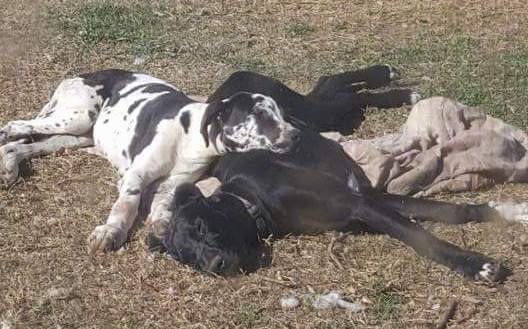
(246, 122)
(217, 234)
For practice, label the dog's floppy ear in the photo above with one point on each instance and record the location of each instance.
(185, 193)
(211, 112)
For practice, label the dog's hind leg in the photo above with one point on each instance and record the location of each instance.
(389, 99)
(368, 78)
(72, 110)
(470, 264)
(452, 213)
(75, 124)
(13, 153)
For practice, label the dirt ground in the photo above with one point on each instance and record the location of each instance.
(475, 51)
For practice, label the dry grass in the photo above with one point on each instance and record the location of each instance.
(465, 49)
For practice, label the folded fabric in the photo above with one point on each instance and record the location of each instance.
(443, 146)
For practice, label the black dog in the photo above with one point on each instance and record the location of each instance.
(314, 187)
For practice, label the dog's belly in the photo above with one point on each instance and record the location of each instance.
(113, 137)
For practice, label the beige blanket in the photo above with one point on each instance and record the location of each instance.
(443, 146)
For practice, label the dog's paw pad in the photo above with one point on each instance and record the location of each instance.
(106, 238)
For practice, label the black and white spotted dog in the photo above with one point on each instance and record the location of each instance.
(149, 130)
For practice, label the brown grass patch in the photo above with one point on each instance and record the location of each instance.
(47, 278)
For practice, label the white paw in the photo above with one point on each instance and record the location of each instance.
(512, 211)
(415, 98)
(393, 73)
(493, 272)
(487, 272)
(106, 238)
(8, 164)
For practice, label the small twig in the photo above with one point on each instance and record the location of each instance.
(279, 282)
(449, 313)
(331, 250)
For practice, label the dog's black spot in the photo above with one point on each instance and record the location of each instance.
(124, 117)
(135, 105)
(185, 120)
(92, 115)
(75, 112)
(124, 153)
(52, 105)
(57, 125)
(112, 81)
(133, 191)
(48, 114)
(156, 88)
(165, 106)
(92, 96)
(97, 107)
(105, 121)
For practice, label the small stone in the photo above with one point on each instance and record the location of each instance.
(289, 302)
(139, 60)
(172, 291)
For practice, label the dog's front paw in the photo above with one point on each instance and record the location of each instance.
(106, 238)
(493, 272)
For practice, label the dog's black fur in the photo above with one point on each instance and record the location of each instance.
(315, 187)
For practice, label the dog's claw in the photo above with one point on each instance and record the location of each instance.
(106, 238)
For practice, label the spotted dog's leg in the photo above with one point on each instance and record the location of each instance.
(75, 124)
(72, 110)
(13, 153)
(113, 234)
